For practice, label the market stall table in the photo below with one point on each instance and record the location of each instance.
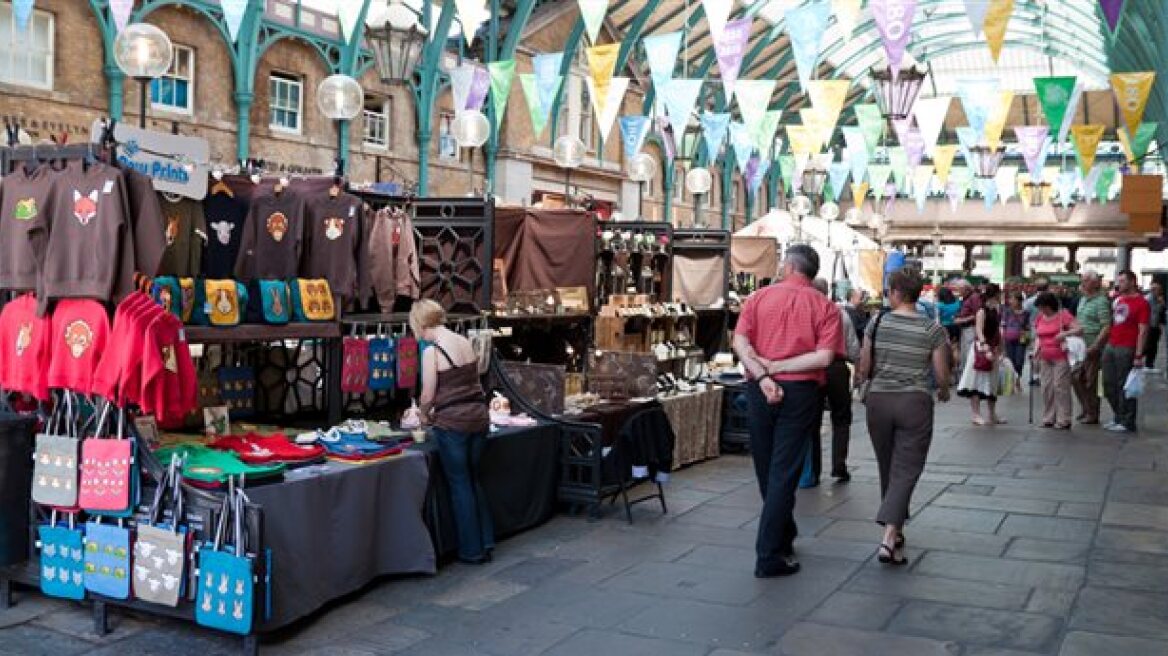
(696, 419)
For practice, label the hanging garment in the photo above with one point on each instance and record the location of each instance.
(355, 365)
(80, 333)
(272, 237)
(24, 196)
(334, 229)
(145, 221)
(24, 348)
(186, 238)
(225, 215)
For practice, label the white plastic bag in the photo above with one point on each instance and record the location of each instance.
(1133, 388)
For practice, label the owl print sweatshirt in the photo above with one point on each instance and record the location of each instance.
(272, 237)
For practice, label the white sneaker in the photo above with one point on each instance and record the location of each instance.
(1117, 428)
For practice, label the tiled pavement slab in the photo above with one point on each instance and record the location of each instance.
(1023, 542)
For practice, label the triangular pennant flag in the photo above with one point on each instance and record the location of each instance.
(121, 10)
(714, 128)
(233, 11)
(1054, 96)
(787, 171)
(754, 98)
(1112, 12)
(592, 13)
(479, 87)
(857, 151)
(730, 48)
(634, 130)
(742, 144)
(894, 19)
(461, 79)
(1137, 148)
(606, 115)
(847, 13)
(1086, 139)
(997, 122)
(813, 121)
(602, 66)
(802, 140)
(1066, 183)
(878, 175)
(859, 193)
(967, 138)
(953, 193)
(535, 107)
(989, 191)
(805, 26)
(976, 10)
(21, 14)
(1131, 92)
(931, 113)
(1006, 183)
(943, 161)
(979, 98)
(717, 13)
(680, 98)
(827, 98)
(898, 160)
(1072, 110)
(661, 53)
(349, 14)
(548, 78)
(471, 14)
(759, 175)
(502, 75)
(922, 178)
(1033, 141)
(996, 20)
(764, 136)
(1105, 183)
(837, 175)
(871, 122)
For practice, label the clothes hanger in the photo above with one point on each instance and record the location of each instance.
(219, 186)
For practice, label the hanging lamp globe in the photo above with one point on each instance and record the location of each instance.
(340, 97)
(471, 129)
(896, 94)
(143, 51)
(642, 168)
(568, 152)
(698, 181)
(829, 211)
(801, 205)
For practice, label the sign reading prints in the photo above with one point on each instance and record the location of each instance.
(176, 164)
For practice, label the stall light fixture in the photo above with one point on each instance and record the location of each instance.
(144, 52)
(397, 44)
(896, 94)
(1036, 192)
(986, 160)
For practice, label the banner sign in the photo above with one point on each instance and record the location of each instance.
(1086, 139)
(174, 163)
(1054, 96)
(502, 76)
(894, 20)
(634, 130)
(1131, 92)
(805, 26)
(714, 128)
(730, 48)
(996, 19)
(1034, 141)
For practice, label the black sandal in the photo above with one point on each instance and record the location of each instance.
(887, 556)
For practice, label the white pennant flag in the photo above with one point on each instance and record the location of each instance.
(592, 12)
(1007, 181)
(717, 13)
(471, 14)
(233, 11)
(121, 9)
(931, 113)
(976, 11)
(461, 79)
(1072, 110)
(348, 13)
(754, 97)
(606, 117)
(681, 97)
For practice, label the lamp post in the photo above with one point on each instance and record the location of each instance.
(896, 94)
(699, 181)
(471, 130)
(568, 152)
(143, 52)
(340, 98)
(642, 170)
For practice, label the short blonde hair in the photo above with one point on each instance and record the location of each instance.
(426, 314)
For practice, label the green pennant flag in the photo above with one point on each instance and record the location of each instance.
(898, 159)
(879, 174)
(787, 170)
(1103, 185)
(961, 177)
(539, 115)
(871, 122)
(1054, 95)
(1143, 139)
(502, 74)
(764, 136)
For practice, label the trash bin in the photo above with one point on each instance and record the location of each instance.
(16, 441)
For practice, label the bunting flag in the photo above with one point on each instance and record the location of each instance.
(471, 14)
(661, 125)
(958, 187)
(997, 121)
(979, 98)
(233, 11)
(714, 128)
(1112, 12)
(462, 78)
(921, 181)
(754, 97)
(1072, 110)
(1033, 141)
(1105, 183)
(548, 78)
(878, 175)
(748, 174)
(787, 171)
(608, 107)
(1006, 183)
(943, 157)
(1065, 185)
(349, 14)
(479, 86)
(717, 13)
(802, 139)
(931, 113)
(502, 76)
(1131, 92)
(857, 151)
(661, 54)
(989, 192)
(22, 14)
(996, 19)
(680, 98)
(898, 160)
(730, 48)
(894, 20)
(1136, 149)
(602, 66)
(827, 98)
(121, 10)
(536, 109)
(764, 136)
(909, 136)
(592, 13)
(813, 121)
(1086, 139)
(741, 143)
(847, 14)
(976, 10)
(967, 139)
(871, 122)
(634, 130)
(760, 171)
(1054, 96)
(859, 193)
(805, 26)
(837, 175)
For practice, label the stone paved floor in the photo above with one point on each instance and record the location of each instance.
(1025, 542)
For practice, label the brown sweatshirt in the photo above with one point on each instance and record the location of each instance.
(393, 257)
(334, 232)
(186, 234)
(24, 196)
(272, 237)
(146, 221)
(86, 246)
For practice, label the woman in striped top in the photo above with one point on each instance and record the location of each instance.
(900, 349)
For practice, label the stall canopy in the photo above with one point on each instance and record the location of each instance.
(758, 256)
(544, 249)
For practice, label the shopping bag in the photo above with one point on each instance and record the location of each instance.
(225, 596)
(355, 365)
(1133, 387)
(1007, 378)
(62, 560)
(160, 549)
(107, 469)
(382, 365)
(55, 460)
(107, 559)
(407, 363)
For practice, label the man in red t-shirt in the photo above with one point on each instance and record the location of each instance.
(1125, 349)
(787, 336)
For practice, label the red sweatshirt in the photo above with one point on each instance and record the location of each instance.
(79, 336)
(169, 382)
(24, 348)
(124, 352)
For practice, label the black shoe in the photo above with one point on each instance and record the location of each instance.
(786, 568)
(842, 475)
(477, 560)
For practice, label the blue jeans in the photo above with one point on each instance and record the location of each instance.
(461, 454)
(1016, 352)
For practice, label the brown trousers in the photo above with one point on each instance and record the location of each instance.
(901, 427)
(1054, 376)
(1085, 382)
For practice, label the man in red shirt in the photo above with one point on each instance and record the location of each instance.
(787, 336)
(1125, 349)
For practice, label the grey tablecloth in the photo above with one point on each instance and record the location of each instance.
(334, 528)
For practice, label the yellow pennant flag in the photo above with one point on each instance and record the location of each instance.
(943, 162)
(803, 140)
(816, 126)
(997, 17)
(827, 99)
(1131, 92)
(1020, 182)
(997, 120)
(601, 67)
(1086, 139)
(859, 193)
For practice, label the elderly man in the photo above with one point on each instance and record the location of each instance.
(1125, 349)
(1094, 315)
(787, 336)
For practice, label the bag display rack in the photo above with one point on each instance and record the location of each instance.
(642, 262)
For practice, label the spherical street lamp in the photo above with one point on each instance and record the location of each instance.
(143, 52)
(340, 97)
